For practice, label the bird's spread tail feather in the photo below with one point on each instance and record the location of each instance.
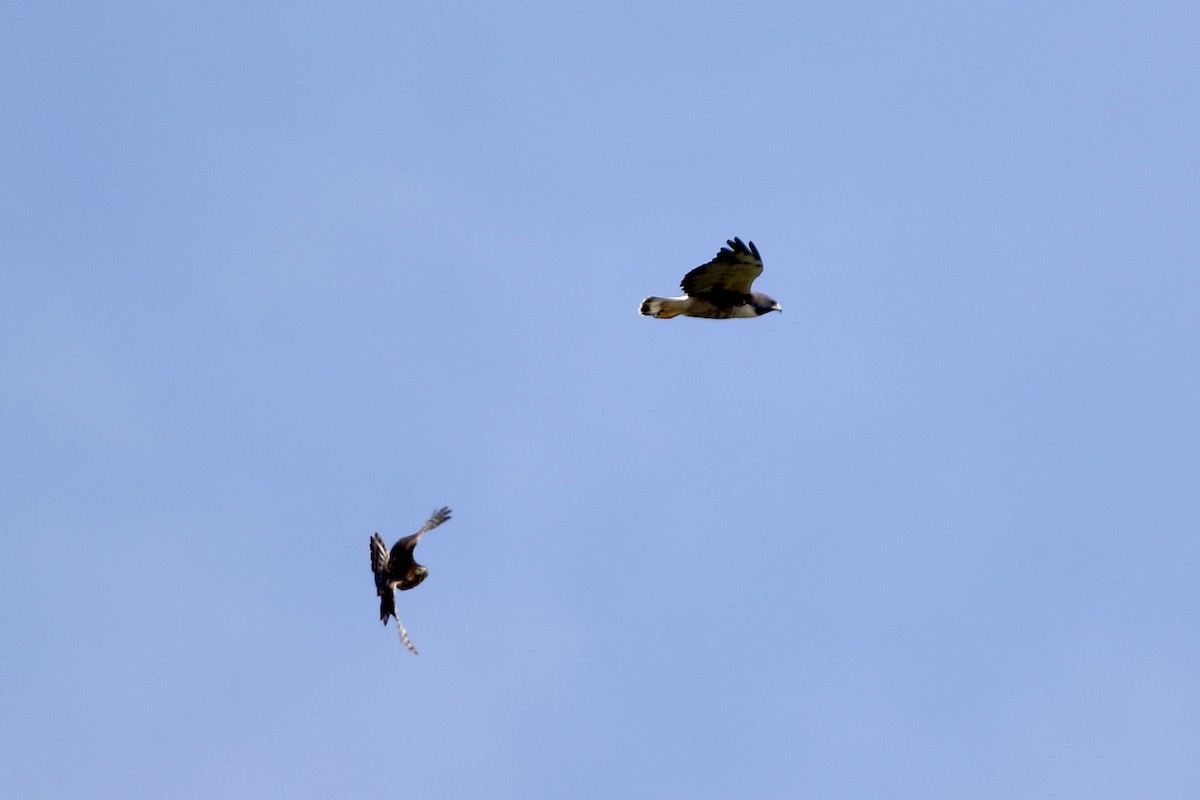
(387, 604)
(663, 307)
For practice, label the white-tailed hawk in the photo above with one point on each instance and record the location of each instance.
(719, 289)
(399, 570)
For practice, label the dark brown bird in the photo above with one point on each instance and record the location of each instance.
(719, 289)
(399, 570)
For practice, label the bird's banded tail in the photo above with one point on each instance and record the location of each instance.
(663, 307)
(387, 604)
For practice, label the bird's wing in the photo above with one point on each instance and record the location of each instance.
(731, 272)
(379, 563)
(404, 637)
(435, 519)
(402, 550)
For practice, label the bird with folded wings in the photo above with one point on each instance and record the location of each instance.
(719, 289)
(397, 569)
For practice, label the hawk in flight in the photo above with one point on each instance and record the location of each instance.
(398, 570)
(719, 289)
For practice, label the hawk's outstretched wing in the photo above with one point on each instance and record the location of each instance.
(402, 550)
(404, 637)
(732, 271)
(379, 564)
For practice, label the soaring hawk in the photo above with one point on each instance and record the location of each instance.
(398, 570)
(719, 289)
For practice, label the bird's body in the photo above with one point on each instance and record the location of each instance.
(735, 308)
(397, 569)
(719, 289)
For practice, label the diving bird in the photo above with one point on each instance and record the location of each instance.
(399, 570)
(719, 289)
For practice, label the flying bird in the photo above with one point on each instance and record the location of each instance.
(399, 570)
(719, 289)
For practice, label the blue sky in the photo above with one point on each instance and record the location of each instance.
(278, 277)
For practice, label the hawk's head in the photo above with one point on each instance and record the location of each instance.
(413, 578)
(764, 304)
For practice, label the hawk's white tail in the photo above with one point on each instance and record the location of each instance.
(404, 637)
(663, 307)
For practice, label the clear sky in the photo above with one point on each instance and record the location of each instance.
(279, 276)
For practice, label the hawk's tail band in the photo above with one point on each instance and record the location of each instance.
(663, 307)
